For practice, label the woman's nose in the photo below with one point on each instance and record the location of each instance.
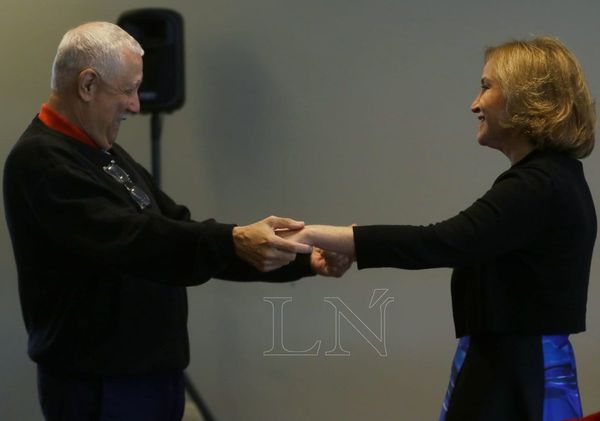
(475, 105)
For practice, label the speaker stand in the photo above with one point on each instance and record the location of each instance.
(155, 134)
(196, 398)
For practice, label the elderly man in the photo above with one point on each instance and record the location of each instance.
(104, 256)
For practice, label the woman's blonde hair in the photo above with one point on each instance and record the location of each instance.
(547, 97)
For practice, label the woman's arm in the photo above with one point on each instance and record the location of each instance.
(327, 237)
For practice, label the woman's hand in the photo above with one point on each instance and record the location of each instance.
(329, 263)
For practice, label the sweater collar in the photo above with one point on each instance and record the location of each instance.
(531, 155)
(57, 122)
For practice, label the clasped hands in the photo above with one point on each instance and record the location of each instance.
(274, 242)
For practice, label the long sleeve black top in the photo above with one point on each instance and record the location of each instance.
(521, 253)
(102, 282)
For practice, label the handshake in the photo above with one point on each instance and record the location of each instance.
(274, 242)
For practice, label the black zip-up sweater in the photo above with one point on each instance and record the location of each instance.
(101, 282)
(521, 253)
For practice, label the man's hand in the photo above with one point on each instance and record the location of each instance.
(258, 244)
(330, 263)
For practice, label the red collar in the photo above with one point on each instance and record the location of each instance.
(57, 122)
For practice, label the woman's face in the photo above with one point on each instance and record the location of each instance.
(490, 107)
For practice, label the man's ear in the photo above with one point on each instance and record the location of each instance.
(87, 84)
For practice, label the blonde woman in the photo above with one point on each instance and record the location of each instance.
(521, 254)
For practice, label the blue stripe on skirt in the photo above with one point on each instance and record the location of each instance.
(561, 392)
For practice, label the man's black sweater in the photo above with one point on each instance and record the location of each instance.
(101, 282)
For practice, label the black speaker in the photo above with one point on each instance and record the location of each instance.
(160, 33)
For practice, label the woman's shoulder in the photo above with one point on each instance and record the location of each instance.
(546, 165)
(545, 174)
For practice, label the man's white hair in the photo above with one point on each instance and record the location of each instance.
(99, 45)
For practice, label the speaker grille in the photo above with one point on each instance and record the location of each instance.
(160, 33)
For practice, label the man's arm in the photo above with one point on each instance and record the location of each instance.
(94, 222)
(255, 244)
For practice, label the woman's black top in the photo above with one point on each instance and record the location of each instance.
(521, 253)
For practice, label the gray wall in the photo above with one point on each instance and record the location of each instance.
(331, 111)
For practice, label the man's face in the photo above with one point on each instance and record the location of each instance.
(115, 99)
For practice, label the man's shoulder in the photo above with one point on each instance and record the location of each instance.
(40, 146)
(37, 137)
